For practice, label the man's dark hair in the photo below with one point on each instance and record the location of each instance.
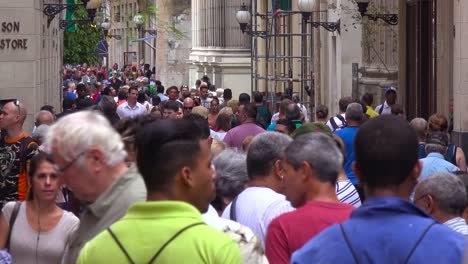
(155, 100)
(344, 102)
(250, 110)
(285, 123)
(284, 104)
(244, 98)
(172, 105)
(205, 78)
(368, 98)
(197, 82)
(132, 88)
(68, 103)
(81, 87)
(258, 97)
(172, 88)
(157, 83)
(141, 98)
(106, 91)
(160, 88)
(227, 94)
(165, 147)
(201, 124)
(85, 103)
(386, 151)
(48, 108)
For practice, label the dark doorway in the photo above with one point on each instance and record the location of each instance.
(420, 58)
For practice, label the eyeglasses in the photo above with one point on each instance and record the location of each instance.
(188, 108)
(420, 198)
(66, 167)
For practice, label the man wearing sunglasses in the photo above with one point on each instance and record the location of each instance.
(16, 150)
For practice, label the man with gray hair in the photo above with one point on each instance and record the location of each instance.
(309, 184)
(443, 196)
(90, 157)
(262, 201)
(420, 127)
(354, 116)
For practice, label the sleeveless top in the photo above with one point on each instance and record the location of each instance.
(25, 241)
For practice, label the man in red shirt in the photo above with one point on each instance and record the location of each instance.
(311, 166)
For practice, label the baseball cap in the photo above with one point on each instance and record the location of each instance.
(390, 89)
(437, 138)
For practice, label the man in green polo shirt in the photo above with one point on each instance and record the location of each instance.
(175, 163)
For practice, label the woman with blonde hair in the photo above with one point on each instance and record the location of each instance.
(37, 230)
(455, 154)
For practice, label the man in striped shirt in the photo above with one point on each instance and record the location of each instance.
(443, 195)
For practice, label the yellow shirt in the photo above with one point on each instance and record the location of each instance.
(149, 225)
(370, 112)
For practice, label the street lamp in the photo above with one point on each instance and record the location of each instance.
(51, 10)
(106, 25)
(243, 17)
(391, 19)
(307, 7)
(91, 7)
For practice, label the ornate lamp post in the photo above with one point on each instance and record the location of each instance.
(391, 19)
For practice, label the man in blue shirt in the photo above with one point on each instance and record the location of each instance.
(354, 116)
(436, 147)
(386, 228)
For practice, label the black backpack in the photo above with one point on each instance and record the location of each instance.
(335, 125)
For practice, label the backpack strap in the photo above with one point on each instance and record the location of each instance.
(451, 153)
(342, 119)
(333, 123)
(172, 239)
(120, 245)
(419, 241)
(381, 108)
(13, 216)
(160, 250)
(353, 252)
(24, 144)
(232, 212)
(348, 243)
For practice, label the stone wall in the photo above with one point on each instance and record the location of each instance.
(173, 46)
(30, 56)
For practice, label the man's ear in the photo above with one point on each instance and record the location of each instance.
(185, 175)
(430, 204)
(278, 169)
(415, 172)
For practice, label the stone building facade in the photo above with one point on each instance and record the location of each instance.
(30, 56)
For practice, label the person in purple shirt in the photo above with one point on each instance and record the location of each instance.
(387, 228)
(247, 115)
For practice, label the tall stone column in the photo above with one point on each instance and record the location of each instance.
(218, 40)
(460, 74)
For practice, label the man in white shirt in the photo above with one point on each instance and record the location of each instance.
(390, 100)
(261, 202)
(131, 108)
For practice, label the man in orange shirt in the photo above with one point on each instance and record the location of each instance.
(16, 150)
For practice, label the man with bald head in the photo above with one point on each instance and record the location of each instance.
(189, 104)
(16, 150)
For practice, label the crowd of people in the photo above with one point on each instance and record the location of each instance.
(132, 172)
